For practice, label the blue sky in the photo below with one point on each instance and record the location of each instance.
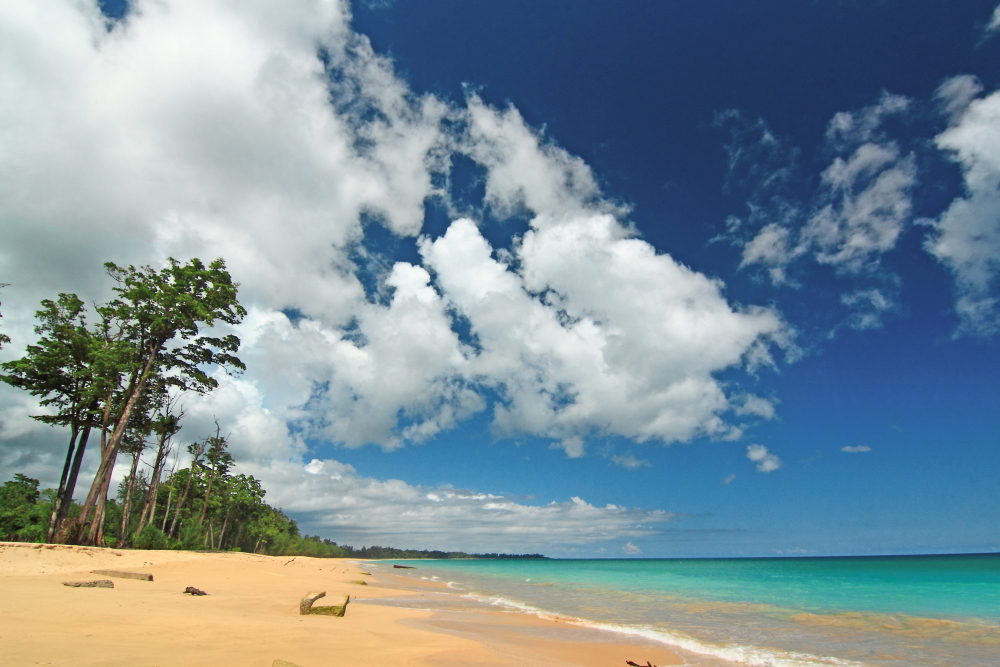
(592, 279)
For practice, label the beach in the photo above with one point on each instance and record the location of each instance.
(250, 617)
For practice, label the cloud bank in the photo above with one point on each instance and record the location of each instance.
(271, 137)
(275, 137)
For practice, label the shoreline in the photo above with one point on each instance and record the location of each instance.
(250, 616)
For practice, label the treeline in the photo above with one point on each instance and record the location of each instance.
(232, 517)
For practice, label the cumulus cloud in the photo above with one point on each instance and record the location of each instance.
(630, 549)
(766, 461)
(966, 237)
(856, 449)
(857, 214)
(269, 137)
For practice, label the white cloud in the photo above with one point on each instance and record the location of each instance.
(966, 237)
(206, 128)
(766, 461)
(330, 497)
(857, 449)
(629, 462)
(728, 479)
(630, 549)
(993, 25)
(867, 308)
(956, 93)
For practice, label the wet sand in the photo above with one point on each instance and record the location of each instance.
(250, 617)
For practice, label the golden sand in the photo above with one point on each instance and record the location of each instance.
(250, 617)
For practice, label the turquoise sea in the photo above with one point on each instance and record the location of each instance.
(911, 611)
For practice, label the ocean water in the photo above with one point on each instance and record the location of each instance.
(904, 611)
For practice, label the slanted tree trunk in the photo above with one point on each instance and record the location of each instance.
(127, 509)
(149, 508)
(170, 496)
(225, 521)
(61, 492)
(187, 487)
(61, 535)
(109, 449)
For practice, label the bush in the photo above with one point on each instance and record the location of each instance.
(24, 513)
(151, 537)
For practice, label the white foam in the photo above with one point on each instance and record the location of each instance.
(755, 656)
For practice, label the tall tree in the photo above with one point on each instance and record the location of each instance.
(62, 368)
(197, 450)
(166, 425)
(218, 462)
(158, 315)
(134, 443)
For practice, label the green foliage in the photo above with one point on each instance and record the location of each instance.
(24, 512)
(151, 537)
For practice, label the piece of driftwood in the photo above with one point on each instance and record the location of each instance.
(404, 567)
(191, 590)
(360, 582)
(307, 601)
(368, 573)
(331, 610)
(99, 583)
(122, 574)
(635, 664)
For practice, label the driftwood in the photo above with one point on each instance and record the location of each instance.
(635, 664)
(307, 602)
(404, 567)
(191, 590)
(360, 582)
(121, 574)
(100, 583)
(331, 610)
(306, 606)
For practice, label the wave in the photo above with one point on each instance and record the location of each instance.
(756, 656)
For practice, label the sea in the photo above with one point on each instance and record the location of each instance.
(898, 611)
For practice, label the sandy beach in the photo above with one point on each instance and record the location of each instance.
(250, 617)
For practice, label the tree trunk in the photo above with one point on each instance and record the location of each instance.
(180, 503)
(109, 450)
(222, 532)
(127, 509)
(170, 496)
(149, 508)
(61, 493)
(96, 533)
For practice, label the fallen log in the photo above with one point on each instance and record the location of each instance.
(307, 602)
(191, 590)
(121, 574)
(338, 610)
(99, 583)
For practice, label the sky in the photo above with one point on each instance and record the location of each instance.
(589, 279)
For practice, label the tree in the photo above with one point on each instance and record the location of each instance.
(22, 517)
(165, 426)
(157, 317)
(197, 450)
(61, 368)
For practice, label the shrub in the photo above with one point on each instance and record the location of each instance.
(151, 537)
